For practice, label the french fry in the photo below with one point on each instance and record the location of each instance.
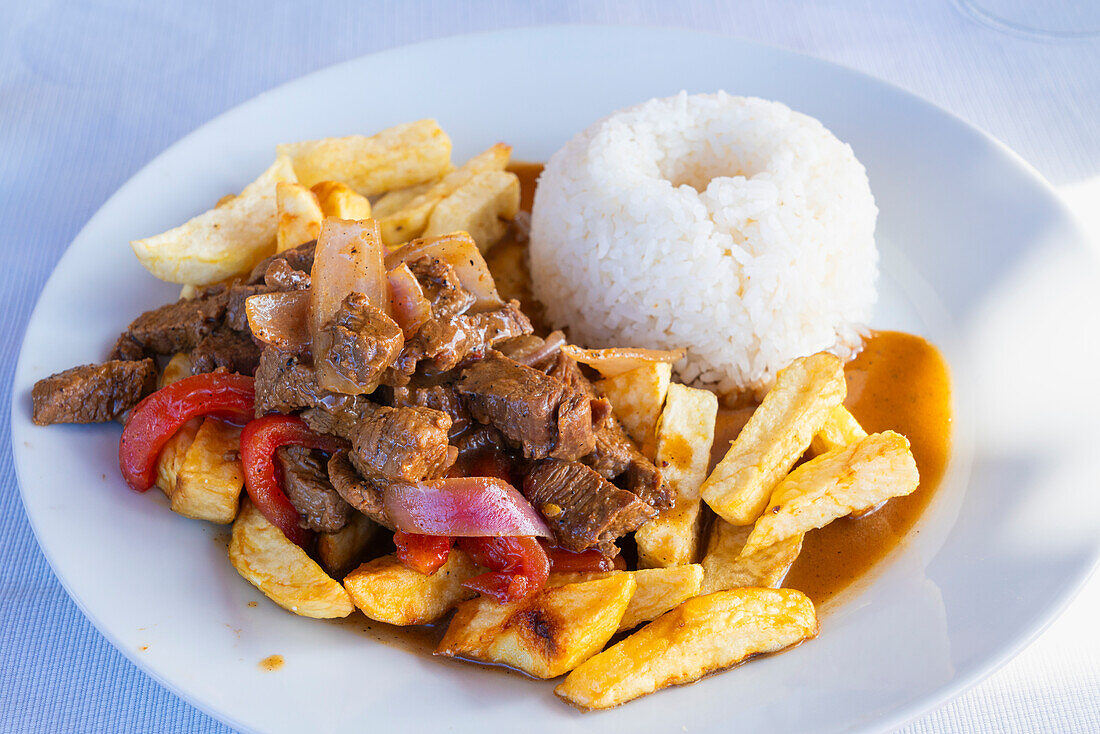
(337, 552)
(637, 397)
(483, 206)
(387, 590)
(409, 222)
(835, 484)
(725, 568)
(299, 215)
(702, 635)
(223, 242)
(178, 367)
(399, 156)
(209, 481)
(394, 201)
(777, 434)
(264, 556)
(841, 429)
(173, 455)
(659, 589)
(544, 635)
(684, 436)
(341, 201)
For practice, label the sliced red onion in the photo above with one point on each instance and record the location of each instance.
(462, 507)
(348, 259)
(280, 319)
(459, 251)
(617, 360)
(549, 348)
(409, 307)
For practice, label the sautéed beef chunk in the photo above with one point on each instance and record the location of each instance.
(359, 342)
(235, 315)
(283, 383)
(365, 495)
(402, 444)
(225, 348)
(440, 397)
(583, 509)
(94, 393)
(532, 409)
(615, 455)
(441, 287)
(304, 478)
(297, 258)
(174, 327)
(282, 277)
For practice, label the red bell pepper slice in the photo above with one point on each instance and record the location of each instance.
(259, 440)
(423, 553)
(157, 418)
(519, 566)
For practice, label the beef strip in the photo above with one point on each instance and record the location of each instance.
(583, 509)
(359, 342)
(235, 315)
(439, 397)
(280, 276)
(441, 287)
(94, 393)
(540, 413)
(615, 454)
(298, 258)
(447, 343)
(304, 476)
(127, 350)
(338, 415)
(175, 327)
(402, 444)
(227, 349)
(283, 383)
(363, 494)
(479, 438)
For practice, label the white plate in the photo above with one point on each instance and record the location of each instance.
(978, 254)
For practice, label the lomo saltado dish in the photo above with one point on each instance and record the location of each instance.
(628, 427)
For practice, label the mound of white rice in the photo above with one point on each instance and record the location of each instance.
(732, 226)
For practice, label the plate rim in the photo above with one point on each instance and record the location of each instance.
(904, 713)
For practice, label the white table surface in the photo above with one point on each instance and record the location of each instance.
(90, 91)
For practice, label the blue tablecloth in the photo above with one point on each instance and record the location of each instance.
(91, 91)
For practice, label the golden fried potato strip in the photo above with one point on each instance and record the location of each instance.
(637, 397)
(702, 635)
(389, 591)
(338, 552)
(178, 367)
(483, 206)
(300, 215)
(210, 479)
(223, 242)
(659, 589)
(544, 635)
(777, 434)
(341, 201)
(725, 568)
(399, 156)
(684, 437)
(281, 570)
(836, 484)
(409, 222)
(841, 429)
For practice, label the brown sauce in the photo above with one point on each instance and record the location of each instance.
(271, 663)
(528, 174)
(899, 382)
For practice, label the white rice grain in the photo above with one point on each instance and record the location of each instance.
(732, 226)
